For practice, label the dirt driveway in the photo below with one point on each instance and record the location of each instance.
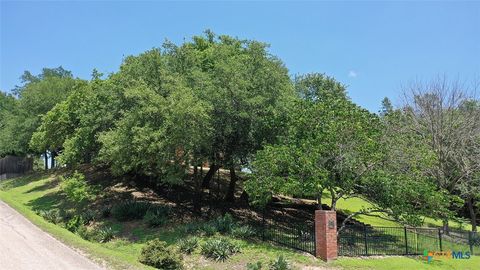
(24, 246)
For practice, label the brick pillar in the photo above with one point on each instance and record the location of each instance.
(326, 235)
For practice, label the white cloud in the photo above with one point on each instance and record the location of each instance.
(352, 74)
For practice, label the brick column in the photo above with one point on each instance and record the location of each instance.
(326, 235)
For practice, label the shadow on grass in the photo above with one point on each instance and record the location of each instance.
(22, 181)
(48, 185)
(50, 201)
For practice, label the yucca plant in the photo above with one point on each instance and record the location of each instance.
(188, 245)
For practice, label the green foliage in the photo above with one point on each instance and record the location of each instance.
(219, 249)
(208, 229)
(280, 264)
(130, 210)
(74, 223)
(243, 232)
(188, 245)
(77, 188)
(104, 234)
(330, 144)
(156, 216)
(88, 216)
(106, 211)
(224, 224)
(38, 95)
(52, 215)
(157, 254)
(84, 233)
(254, 266)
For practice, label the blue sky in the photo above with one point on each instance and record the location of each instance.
(373, 47)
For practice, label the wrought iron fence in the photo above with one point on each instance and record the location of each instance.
(280, 228)
(357, 240)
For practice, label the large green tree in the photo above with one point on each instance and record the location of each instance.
(333, 145)
(246, 88)
(35, 97)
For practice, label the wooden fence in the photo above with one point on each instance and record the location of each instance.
(13, 166)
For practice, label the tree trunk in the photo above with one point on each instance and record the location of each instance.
(230, 197)
(446, 228)
(197, 199)
(319, 200)
(208, 177)
(46, 160)
(473, 215)
(52, 159)
(244, 197)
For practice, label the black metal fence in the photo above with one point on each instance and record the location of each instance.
(281, 228)
(367, 240)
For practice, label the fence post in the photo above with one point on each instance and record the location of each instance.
(365, 239)
(326, 235)
(406, 241)
(440, 238)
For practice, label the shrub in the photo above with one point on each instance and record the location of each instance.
(254, 266)
(192, 228)
(83, 232)
(106, 211)
(224, 224)
(244, 232)
(74, 223)
(130, 210)
(219, 249)
(104, 234)
(280, 264)
(188, 245)
(76, 188)
(157, 254)
(52, 215)
(208, 229)
(156, 216)
(88, 216)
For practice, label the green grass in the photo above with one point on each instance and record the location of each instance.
(36, 192)
(41, 192)
(401, 263)
(354, 204)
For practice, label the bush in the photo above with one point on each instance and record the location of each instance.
(157, 254)
(224, 224)
(156, 216)
(76, 188)
(243, 232)
(192, 228)
(104, 234)
(74, 223)
(88, 216)
(254, 266)
(208, 229)
(52, 215)
(130, 210)
(106, 211)
(219, 249)
(83, 232)
(188, 245)
(280, 264)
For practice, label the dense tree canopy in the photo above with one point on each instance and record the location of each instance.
(229, 103)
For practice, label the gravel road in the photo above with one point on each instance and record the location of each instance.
(25, 246)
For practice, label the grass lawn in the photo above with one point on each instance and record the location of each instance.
(401, 263)
(41, 192)
(355, 204)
